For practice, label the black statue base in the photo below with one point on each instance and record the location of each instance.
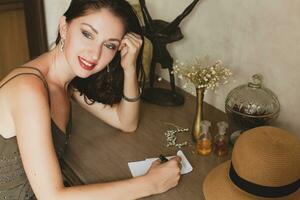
(161, 33)
(162, 97)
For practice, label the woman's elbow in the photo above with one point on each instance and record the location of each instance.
(130, 128)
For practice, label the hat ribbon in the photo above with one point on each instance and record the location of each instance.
(261, 190)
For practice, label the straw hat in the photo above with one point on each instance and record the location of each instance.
(265, 164)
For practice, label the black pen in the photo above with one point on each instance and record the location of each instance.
(163, 158)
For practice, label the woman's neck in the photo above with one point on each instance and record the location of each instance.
(59, 70)
(55, 67)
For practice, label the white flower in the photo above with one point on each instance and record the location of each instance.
(202, 74)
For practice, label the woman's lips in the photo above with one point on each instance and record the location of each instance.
(86, 64)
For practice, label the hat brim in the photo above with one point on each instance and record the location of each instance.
(218, 186)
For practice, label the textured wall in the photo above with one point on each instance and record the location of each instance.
(249, 36)
(54, 9)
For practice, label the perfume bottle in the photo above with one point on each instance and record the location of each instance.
(220, 141)
(204, 142)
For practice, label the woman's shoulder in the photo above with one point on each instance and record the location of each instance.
(22, 84)
(22, 73)
(23, 93)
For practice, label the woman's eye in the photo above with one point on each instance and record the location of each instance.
(110, 46)
(87, 34)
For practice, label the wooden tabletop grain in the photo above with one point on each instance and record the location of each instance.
(100, 153)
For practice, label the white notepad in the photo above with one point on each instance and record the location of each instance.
(140, 168)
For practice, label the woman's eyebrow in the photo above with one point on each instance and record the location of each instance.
(93, 29)
(114, 40)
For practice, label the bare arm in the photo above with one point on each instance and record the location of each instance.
(31, 115)
(124, 115)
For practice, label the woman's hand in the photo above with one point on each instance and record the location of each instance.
(164, 176)
(130, 47)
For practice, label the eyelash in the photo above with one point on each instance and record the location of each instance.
(110, 46)
(87, 35)
(107, 45)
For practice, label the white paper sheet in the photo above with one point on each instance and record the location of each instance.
(140, 168)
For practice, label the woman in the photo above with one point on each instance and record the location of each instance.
(96, 62)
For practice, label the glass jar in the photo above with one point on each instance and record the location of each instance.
(251, 105)
(220, 141)
(204, 142)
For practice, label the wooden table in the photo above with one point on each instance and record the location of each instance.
(100, 153)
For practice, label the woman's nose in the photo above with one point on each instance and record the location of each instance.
(96, 52)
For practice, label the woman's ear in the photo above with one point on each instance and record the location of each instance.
(122, 45)
(63, 27)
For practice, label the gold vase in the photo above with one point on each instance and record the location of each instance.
(196, 130)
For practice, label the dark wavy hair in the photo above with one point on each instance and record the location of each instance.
(106, 87)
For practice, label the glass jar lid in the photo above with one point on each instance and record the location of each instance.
(253, 99)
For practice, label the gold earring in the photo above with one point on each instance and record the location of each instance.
(107, 69)
(62, 45)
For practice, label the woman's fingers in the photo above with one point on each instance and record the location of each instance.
(135, 37)
(156, 162)
(177, 158)
(129, 49)
(178, 161)
(165, 175)
(132, 42)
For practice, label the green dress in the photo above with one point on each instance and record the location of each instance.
(13, 181)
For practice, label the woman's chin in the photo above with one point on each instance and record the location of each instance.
(83, 75)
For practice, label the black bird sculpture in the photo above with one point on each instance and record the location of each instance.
(161, 33)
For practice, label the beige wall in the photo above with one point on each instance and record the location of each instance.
(54, 9)
(250, 36)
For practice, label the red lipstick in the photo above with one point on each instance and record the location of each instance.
(86, 64)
